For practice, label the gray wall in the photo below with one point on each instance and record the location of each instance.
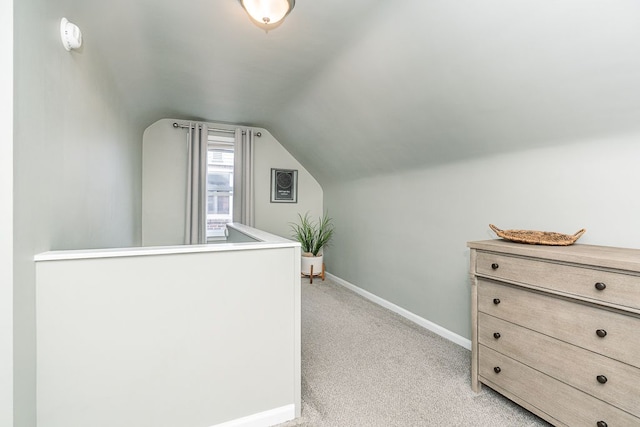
(76, 164)
(6, 214)
(164, 182)
(432, 82)
(409, 126)
(403, 236)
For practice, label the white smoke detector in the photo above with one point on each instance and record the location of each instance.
(71, 35)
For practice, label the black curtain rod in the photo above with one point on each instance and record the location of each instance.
(177, 125)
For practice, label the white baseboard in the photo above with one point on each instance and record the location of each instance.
(437, 329)
(263, 419)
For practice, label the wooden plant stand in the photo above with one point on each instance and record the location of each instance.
(311, 274)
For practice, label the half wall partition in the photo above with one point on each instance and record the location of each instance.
(190, 335)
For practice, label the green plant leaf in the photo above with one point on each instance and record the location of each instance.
(313, 236)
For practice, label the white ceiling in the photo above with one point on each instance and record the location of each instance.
(360, 87)
(205, 59)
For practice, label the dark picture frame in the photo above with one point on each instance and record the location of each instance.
(284, 186)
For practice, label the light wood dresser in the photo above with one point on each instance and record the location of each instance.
(556, 329)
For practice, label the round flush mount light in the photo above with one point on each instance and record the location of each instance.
(70, 34)
(268, 14)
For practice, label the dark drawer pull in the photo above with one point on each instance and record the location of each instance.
(601, 379)
(494, 266)
(601, 333)
(601, 424)
(497, 369)
(496, 301)
(600, 286)
(496, 335)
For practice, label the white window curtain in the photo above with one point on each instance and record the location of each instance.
(195, 231)
(243, 188)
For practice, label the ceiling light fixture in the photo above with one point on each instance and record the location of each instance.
(268, 14)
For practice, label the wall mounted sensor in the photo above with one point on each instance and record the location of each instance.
(71, 35)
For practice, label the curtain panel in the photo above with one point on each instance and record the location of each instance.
(243, 186)
(195, 231)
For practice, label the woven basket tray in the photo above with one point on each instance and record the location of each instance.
(538, 237)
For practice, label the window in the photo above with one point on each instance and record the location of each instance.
(220, 160)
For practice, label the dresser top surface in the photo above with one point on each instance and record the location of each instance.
(598, 256)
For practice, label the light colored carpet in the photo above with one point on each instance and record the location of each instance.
(363, 365)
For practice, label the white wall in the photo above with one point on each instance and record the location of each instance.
(275, 217)
(156, 339)
(76, 164)
(403, 236)
(6, 213)
(164, 181)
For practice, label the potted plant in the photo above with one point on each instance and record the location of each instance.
(313, 236)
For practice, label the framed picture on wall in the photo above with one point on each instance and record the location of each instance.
(284, 186)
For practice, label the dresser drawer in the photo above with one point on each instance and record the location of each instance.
(611, 287)
(619, 383)
(555, 398)
(575, 323)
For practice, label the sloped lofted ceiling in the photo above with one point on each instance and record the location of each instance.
(360, 87)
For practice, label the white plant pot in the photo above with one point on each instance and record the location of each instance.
(308, 261)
